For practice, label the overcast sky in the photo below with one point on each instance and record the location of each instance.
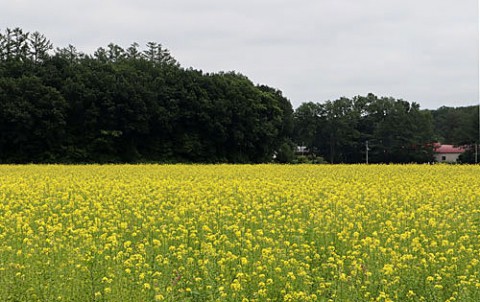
(423, 51)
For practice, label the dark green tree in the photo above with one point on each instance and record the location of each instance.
(32, 121)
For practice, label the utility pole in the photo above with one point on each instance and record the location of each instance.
(476, 153)
(366, 149)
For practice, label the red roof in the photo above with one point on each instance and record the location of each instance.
(448, 149)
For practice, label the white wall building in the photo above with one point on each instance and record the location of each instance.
(447, 153)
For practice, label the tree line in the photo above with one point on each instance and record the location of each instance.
(129, 105)
(393, 130)
(138, 104)
(458, 126)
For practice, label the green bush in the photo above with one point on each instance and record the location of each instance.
(285, 154)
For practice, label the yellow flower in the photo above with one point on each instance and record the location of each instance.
(235, 285)
(233, 232)
(388, 269)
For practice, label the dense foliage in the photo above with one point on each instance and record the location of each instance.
(139, 105)
(342, 130)
(458, 126)
(127, 105)
(393, 130)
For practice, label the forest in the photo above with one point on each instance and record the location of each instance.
(138, 104)
(396, 131)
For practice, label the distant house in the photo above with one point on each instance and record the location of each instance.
(447, 153)
(301, 150)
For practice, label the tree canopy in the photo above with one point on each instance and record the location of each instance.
(396, 131)
(138, 104)
(129, 105)
(458, 126)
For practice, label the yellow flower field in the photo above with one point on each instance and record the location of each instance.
(239, 233)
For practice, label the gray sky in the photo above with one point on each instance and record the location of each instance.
(423, 51)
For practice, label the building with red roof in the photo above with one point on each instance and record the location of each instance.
(447, 153)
